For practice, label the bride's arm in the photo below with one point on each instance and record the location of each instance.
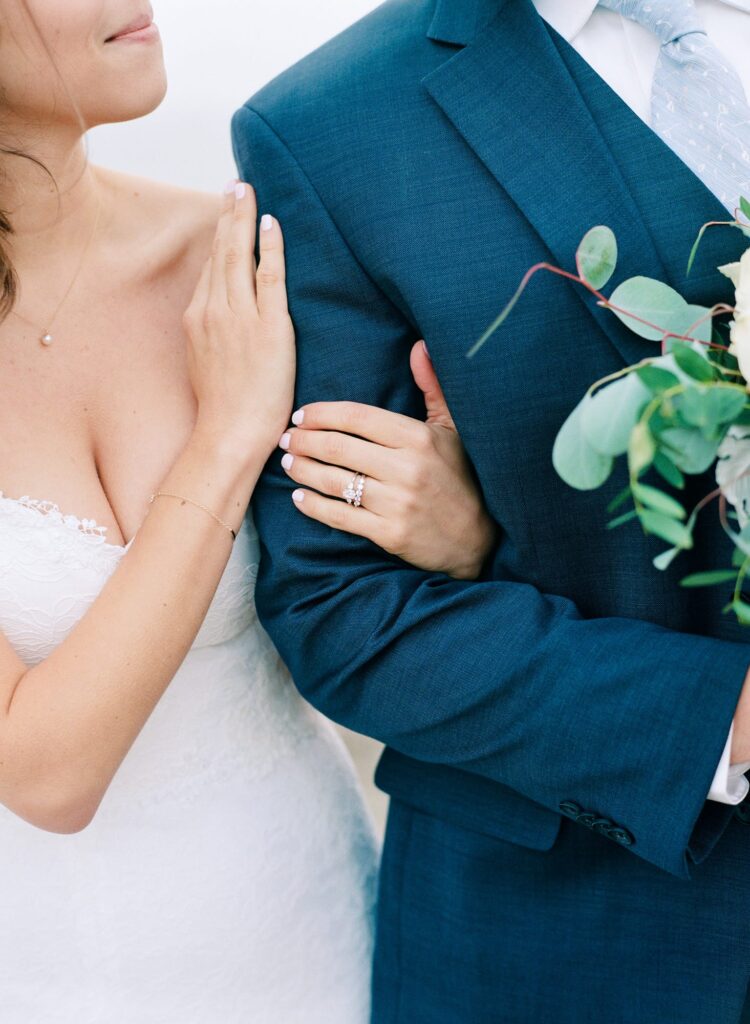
(420, 500)
(67, 723)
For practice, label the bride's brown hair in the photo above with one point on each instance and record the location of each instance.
(8, 276)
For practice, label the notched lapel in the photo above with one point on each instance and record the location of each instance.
(511, 96)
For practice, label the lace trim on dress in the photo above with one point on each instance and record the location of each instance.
(51, 511)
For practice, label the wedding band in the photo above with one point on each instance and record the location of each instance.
(355, 489)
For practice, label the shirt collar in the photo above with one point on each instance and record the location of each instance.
(567, 17)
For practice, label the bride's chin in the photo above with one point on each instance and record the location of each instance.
(138, 105)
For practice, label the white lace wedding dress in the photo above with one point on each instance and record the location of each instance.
(229, 875)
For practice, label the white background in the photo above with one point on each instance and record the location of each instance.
(218, 53)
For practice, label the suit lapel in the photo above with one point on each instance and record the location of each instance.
(673, 202)
(513, 97)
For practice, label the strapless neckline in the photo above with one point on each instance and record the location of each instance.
(86, 527)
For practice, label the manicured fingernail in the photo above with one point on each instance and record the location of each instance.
(230, 187)
(299, 417)
(285, 441)
(298, 496)
(288, 461)
(426, 350)
(240, 189)
(266, 222)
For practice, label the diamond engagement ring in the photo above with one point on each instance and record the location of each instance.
(355, 489)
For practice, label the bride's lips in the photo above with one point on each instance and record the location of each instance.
(140, 30)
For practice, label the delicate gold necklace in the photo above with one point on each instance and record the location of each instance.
(46, 337)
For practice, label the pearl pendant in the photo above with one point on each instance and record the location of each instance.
(46, 339)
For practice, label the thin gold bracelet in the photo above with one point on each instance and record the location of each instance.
(166, 494)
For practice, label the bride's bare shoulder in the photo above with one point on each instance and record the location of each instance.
(170, 221)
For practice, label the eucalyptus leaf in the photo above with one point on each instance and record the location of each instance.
(668, 529)
(691, 362)
(656, 378)
(653, 498)
(596, 257)
(689, 450)
(667, 469)
(692, 320)
(745, 206)
(650, 300)
(665, 559)
(709, 579)
(608, 419)
(710, 408)
(621, 497)
(621, 520)
(574, 459)
(742, 610)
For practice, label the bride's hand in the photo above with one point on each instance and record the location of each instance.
(241, 351)
(420, 500)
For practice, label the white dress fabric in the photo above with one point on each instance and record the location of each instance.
(229, 875)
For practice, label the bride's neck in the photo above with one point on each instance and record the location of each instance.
(50, 200)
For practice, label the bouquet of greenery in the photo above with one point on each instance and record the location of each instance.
(679, 412)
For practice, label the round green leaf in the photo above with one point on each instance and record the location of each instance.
(579, 465)
(596, 257)
(710, 408)
(689, 449)
(610, 416)
(686, 319)
(650, 300)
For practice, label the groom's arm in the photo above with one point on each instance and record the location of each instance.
(492, 677)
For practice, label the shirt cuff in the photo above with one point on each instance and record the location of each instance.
(729, 785)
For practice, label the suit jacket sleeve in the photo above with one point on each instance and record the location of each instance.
(492, 676)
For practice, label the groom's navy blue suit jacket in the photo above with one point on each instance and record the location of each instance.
(420, 163)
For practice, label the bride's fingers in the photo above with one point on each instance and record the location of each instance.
(332, 481)
(238, 255)
(381, 426)
(270, 276)
(193, 318)
(340, 450)
(427, 381)
(340, 516)
(217, 286)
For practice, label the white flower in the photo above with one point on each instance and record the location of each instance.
(733, 471)
(739, 329)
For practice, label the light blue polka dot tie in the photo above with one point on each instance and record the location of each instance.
(698, 104)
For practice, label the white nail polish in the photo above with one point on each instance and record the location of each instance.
(240, 190)
(230, 187)
(266, 222)
(298, 496)
(298, 418)
(288, 461)
(285, 440)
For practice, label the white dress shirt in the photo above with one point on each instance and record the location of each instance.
(624, 54)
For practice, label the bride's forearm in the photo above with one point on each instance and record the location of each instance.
(67, 724)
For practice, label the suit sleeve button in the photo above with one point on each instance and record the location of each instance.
(602, 825)
(587, 818)
(621, 836)
(571, 808)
